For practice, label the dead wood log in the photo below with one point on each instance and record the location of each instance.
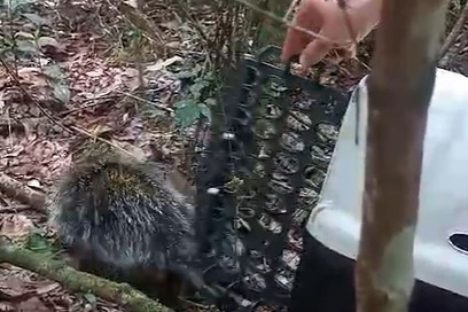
(78, 281)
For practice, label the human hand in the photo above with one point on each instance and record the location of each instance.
(326, 18)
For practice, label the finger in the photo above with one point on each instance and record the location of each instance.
(294, 43)
(314, 53)
(309, 17)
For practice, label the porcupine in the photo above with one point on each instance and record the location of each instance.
(122, 219)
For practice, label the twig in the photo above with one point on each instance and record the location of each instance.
(195, 304)
(452, 37)
(78, 109)
(78, 281)
(166, 109)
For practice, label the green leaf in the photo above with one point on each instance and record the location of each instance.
(4, 50)
(153, 112)
(192, 72)
(90, 298)
(26, 47)
(210, 102)
(196, 90)
(184, 74)
(24, 35)
(36, 19)
(184, 103)
(205, 111)
(187, 112)
(54, 72)
(47, 41)
(38, 243)
(62, 93)
(6, 45)
(278, 87)
(203, 80)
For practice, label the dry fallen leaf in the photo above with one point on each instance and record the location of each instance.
(33, 304)
(132, 3)
(11, 286)
(48, 287)
(33, 76)
(163, 64)
(173, 44)
(35, 184)
(15, 226)
(130, 79)
(98, 72)
(17, 150)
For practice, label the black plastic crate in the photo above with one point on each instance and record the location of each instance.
(261, 175)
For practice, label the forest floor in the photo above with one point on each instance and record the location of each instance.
(68, 73)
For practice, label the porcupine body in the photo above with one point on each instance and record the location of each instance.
(121, 219)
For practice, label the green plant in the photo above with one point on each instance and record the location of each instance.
(38, 243)
(199, 101)
(56, 79)
(13, 41)
(21, 43)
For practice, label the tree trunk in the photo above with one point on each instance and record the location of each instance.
(400, 89)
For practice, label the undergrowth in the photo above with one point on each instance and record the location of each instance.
(33, 43)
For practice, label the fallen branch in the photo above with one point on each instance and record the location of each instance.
(22, 193)
(74, 280)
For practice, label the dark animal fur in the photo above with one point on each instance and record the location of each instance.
(121, 219)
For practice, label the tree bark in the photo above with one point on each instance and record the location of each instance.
(400, 88)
